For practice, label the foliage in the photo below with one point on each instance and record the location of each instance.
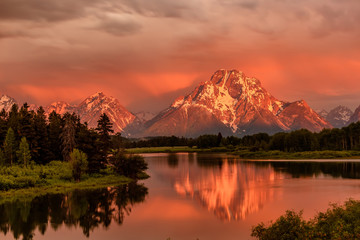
(68, 136)
(79, 163)
(10, 146)
(338, 222)
(23, 154)
(127, 165)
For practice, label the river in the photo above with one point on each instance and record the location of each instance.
(188, 196)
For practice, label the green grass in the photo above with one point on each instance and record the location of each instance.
(175, 149)
(56, 177)
(297, 155)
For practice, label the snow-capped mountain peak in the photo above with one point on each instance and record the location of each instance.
(95, 105)
(231, 100)
(6, 102)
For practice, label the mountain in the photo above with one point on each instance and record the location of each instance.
(355, 117)
(60, 107)
(6, 102)
(92, 107)
(232, 103)
(339, 116)
(323, 113)
(144, 116)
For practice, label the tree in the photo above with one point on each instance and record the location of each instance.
(127, 165)
(42, 152)
(2, 157)
(79, 163)
(68, 136)
(10, 146)
(55, 124)
(24, 154)
(104, 128)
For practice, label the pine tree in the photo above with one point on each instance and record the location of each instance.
(3, 125)
(2, 158)
(55, 125)
(23, 154)
(104, 129)
(42, 138)
(68, 136)
(10, 147)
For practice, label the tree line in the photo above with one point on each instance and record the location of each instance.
(346, 138)
(28, 136)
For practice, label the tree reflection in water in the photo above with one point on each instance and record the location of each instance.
(88, 209)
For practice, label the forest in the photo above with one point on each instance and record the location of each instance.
(31, 142)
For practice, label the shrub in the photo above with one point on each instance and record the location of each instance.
(79, 163)
(338, 222)
(127, 165)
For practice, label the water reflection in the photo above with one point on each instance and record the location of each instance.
(232, 189)
(345, 169)
(86, 209)
(229, 189)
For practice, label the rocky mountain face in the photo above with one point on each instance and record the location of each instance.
(233, 104)
(60, 107)
(339, 116)
(92, 107)
(6, 102)
(323, 113)
(355, 117)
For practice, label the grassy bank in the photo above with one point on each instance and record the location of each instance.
(247, 154)
(56, 177)
(175, 149)
(297, 155)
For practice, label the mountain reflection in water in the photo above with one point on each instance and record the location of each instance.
(233, 188)
(229, 189)
(87, 209)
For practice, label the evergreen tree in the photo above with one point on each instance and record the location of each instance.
(43, 154)
(13, 119)
(104, 129)
(3, 125)
(68, 136)
(55, 126)
(10, 147)
(2, 158)
(23, 154)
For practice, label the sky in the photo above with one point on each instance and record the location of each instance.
(148, 52)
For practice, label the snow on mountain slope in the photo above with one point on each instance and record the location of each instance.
(92, 107)
(6, 102)
(238, 102)
(339, 116)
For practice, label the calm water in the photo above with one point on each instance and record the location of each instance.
(189, 196)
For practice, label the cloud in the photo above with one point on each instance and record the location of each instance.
(40, 10)
(119, 24)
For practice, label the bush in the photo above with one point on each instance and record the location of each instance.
(79, 163)
(128, 165)
(338, 222)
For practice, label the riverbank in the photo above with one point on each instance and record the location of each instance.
(247, 154)
(55, 177)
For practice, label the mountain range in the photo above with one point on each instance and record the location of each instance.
(229, 102)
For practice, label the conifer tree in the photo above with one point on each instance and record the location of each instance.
(104, 129)
(55, 125)
(3, 125)
(2, 158)
(68, 136)
(42, 153)
(23, 154)
(10, 146)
